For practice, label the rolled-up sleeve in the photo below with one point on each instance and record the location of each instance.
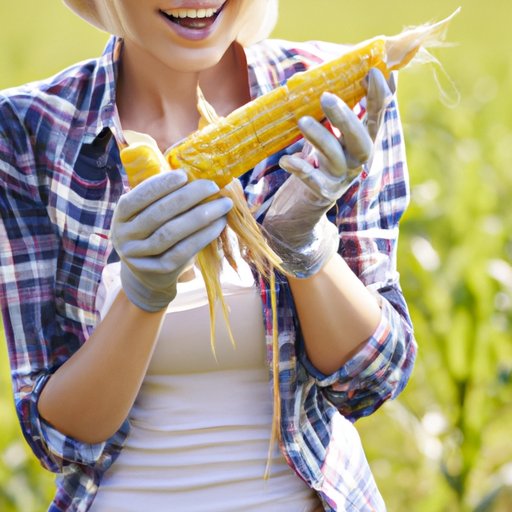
(368, 216)
(378, 372)
(54, 449)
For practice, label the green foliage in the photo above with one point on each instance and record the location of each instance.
(454, 261)
(444, 445)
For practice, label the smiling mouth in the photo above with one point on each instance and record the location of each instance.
(196, 19)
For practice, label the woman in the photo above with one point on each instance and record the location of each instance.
(105, 317)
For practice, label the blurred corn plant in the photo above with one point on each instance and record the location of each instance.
(452, 424)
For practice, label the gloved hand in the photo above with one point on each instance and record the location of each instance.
(296, 225)
(158, 227)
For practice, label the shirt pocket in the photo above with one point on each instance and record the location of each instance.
(82, 260)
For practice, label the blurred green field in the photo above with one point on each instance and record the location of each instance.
(444, 446)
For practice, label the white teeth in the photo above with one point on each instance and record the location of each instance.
(191, 13)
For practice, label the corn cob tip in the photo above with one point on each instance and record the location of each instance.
(402, 48)
(141, 158)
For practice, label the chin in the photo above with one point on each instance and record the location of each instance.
(195, 60)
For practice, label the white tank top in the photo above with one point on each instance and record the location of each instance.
(200, 426)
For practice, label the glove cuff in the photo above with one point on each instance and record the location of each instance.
(144, 298)
(311, 255)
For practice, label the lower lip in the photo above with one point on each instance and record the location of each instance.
(193, 34)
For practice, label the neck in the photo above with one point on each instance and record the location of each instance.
(155, 99)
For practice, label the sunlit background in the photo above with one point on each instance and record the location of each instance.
(446, 444)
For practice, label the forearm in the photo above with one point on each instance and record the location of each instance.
(337, 314)
(90, 395)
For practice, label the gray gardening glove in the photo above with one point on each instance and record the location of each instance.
(158, 227)
(296, 225)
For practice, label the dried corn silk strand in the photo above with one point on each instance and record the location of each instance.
(241, 221)
(275, 435)
(209, 261)
(254, 249)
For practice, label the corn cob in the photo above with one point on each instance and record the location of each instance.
(227, 147)
(235, 144)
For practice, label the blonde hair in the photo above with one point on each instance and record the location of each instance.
(251, 33)
(254, 32)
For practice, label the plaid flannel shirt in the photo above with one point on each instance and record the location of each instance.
(60, 179)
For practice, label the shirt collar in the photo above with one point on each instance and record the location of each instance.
(104, 93)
